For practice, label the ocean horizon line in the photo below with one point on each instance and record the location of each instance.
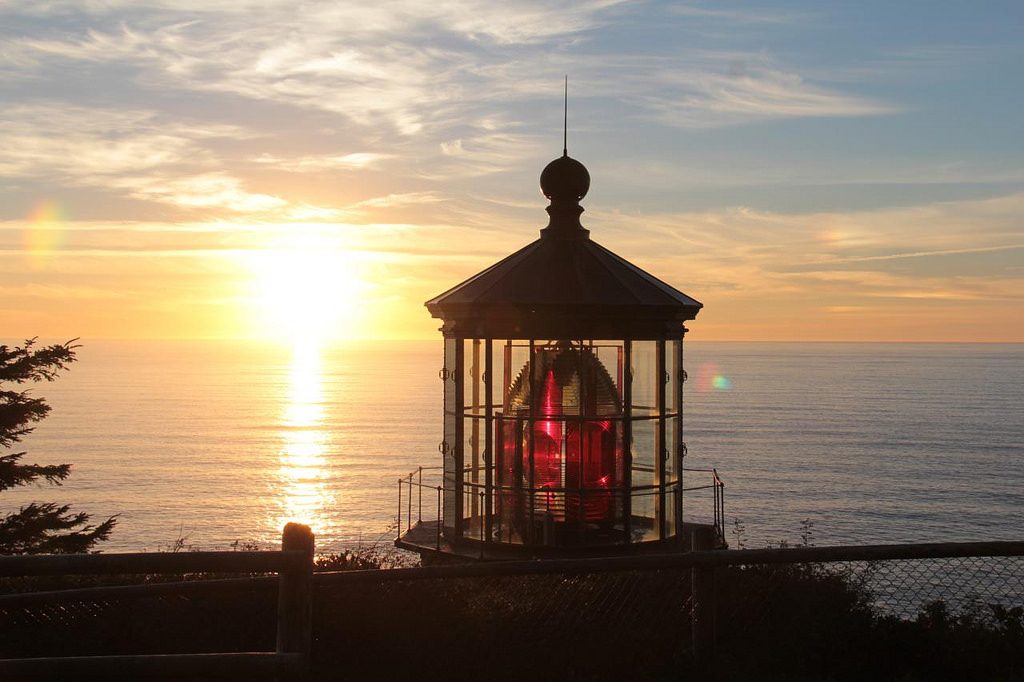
(48, 339)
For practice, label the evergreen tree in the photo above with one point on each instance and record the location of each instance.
(37, 528)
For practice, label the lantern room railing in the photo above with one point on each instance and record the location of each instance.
(411, 490)
(717, 487)
(421, 504)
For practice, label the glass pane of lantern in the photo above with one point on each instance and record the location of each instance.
(645, 379)
(645, 480)
(511, 417)
(472, 471)
(487, 476)
(473, 502)
(474, 438)
(610, 355)
(557, 371)
(673, 505)
(670, 381)
(473, 398)
(602, 457)
(516, 355)
(568, 492)
(498, 383)
(647, 393)
(672, 436)
(449, 445)
(672, 440)
(597, 472)
(643, 411)
(670, 515)
(550, 394)
(674, 429)
(473, 433)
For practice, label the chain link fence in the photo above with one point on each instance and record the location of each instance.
(198, 616)
(953, 617)
(929, 618)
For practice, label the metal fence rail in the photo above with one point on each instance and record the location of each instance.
(624, 617)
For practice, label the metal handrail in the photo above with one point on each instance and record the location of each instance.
(498, 416)
(547, 489)
(413, 483)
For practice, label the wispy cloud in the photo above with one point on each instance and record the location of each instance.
(732, 16)
(482, 150)
(747, 90)
(928, 254)
(312, 164)
(209, 190)
(519, 20)
(363, 61)
(83, 142)
(130, 151)
(801, 259)
(370, 63)
(408, 198)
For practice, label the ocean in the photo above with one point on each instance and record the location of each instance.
(209, 443)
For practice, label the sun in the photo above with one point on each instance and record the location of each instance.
(306, 294)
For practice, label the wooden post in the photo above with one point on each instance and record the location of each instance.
(295, 596)
(702, 584)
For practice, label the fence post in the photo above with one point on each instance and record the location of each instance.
(702, 584)
(295, 595)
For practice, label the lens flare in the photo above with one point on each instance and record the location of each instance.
(720, 383)
(43, 235)
(710, 379)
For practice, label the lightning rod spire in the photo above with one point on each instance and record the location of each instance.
(565, 121)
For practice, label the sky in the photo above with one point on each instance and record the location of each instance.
(810, 171)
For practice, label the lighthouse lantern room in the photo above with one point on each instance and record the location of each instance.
(563, 404)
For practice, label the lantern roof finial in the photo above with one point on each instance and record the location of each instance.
(565, 178)
(565, 182)
(565, 120)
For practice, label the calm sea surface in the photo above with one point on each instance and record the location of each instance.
(216, 442)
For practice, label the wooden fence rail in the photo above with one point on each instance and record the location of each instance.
(150, 562)
(296, 581)
(188, 587)
(293, 564)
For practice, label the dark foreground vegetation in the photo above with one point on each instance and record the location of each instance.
(37, 527)
(781, 622)
(814, 622)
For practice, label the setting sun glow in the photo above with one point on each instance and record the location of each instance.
(305, 294)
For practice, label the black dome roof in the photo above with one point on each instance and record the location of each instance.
(565, 179)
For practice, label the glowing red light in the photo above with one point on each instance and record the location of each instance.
(577, 455)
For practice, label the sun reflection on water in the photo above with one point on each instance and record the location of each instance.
(303, 473)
